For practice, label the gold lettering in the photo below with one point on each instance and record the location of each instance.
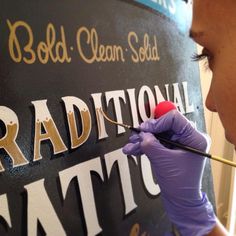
(97, 52)
(146, 52)
(86, 126)
(9, 144)
(135, 231)
(80, 31)
(142, 54)
(101, 54)
(8, 141)
(70, 104)
(134, 57)
(51, 39)
(109, 53)
(147, 48)
(43, 117)
(118, 54)
(61, 46)
(45, 50)
(94, 45)
(154, 50)
(14, 45)
(53, 50)
(51, 134)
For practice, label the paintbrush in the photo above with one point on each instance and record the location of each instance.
(175, 144)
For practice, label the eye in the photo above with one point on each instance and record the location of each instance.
(204, 56)
(199, 57)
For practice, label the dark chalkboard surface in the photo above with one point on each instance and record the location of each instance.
(62, 168)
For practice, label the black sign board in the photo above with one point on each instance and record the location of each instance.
(62, 168)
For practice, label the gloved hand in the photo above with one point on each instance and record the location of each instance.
(178, 172)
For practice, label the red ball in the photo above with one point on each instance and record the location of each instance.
(163, 107)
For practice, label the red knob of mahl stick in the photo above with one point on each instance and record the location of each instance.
(163, 107)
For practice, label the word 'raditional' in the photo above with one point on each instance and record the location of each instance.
(45, 127)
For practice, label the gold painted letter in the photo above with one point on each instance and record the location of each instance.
(43, 117)
(8, 141)
(70, 102)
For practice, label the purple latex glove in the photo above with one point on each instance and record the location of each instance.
(179, 173)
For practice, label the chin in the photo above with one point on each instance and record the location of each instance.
(230, 139)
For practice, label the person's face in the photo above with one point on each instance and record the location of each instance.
(214, 27)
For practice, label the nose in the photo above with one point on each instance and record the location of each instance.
(210, 104)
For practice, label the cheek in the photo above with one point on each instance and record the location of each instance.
(224, 82)
(223, 90)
